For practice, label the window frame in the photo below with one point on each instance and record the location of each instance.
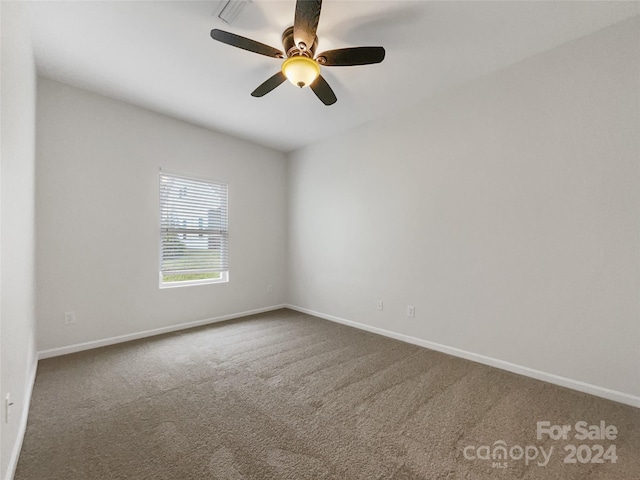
(223, 275)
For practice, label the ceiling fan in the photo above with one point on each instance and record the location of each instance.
(302, 66)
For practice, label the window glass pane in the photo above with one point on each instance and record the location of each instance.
(194, 236)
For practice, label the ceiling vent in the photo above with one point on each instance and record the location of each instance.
(231, 9)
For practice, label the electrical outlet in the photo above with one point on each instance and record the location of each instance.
(269, 288)
(69, 317)
(380, 305)
(7, 405)
(411, 311)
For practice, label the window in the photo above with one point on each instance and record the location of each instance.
(193, 231)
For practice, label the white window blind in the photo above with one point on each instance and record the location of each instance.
(194, 232)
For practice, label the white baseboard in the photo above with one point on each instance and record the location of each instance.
(609, 394)
(584, 387)
(78, 347)
(22, 427)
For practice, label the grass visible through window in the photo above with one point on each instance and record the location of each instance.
(186, 277)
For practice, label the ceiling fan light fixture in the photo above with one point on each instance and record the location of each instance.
(301, 70)
(300, 42)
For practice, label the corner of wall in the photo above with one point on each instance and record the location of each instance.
(24, 415)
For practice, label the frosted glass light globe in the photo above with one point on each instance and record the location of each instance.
(300, 70)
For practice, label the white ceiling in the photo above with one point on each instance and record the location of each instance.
(159, 55)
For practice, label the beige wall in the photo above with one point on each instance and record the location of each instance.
(17, 229)
(505, 211)
(98, 222)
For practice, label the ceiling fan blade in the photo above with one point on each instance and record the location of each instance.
(245, 43)
(323, 91)
(269, 85)
(305, 22)
(345, 57)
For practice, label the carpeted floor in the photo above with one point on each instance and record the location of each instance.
(284, 395)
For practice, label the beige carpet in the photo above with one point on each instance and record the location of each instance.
(284, 395)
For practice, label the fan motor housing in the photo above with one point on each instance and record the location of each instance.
(292, 49)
